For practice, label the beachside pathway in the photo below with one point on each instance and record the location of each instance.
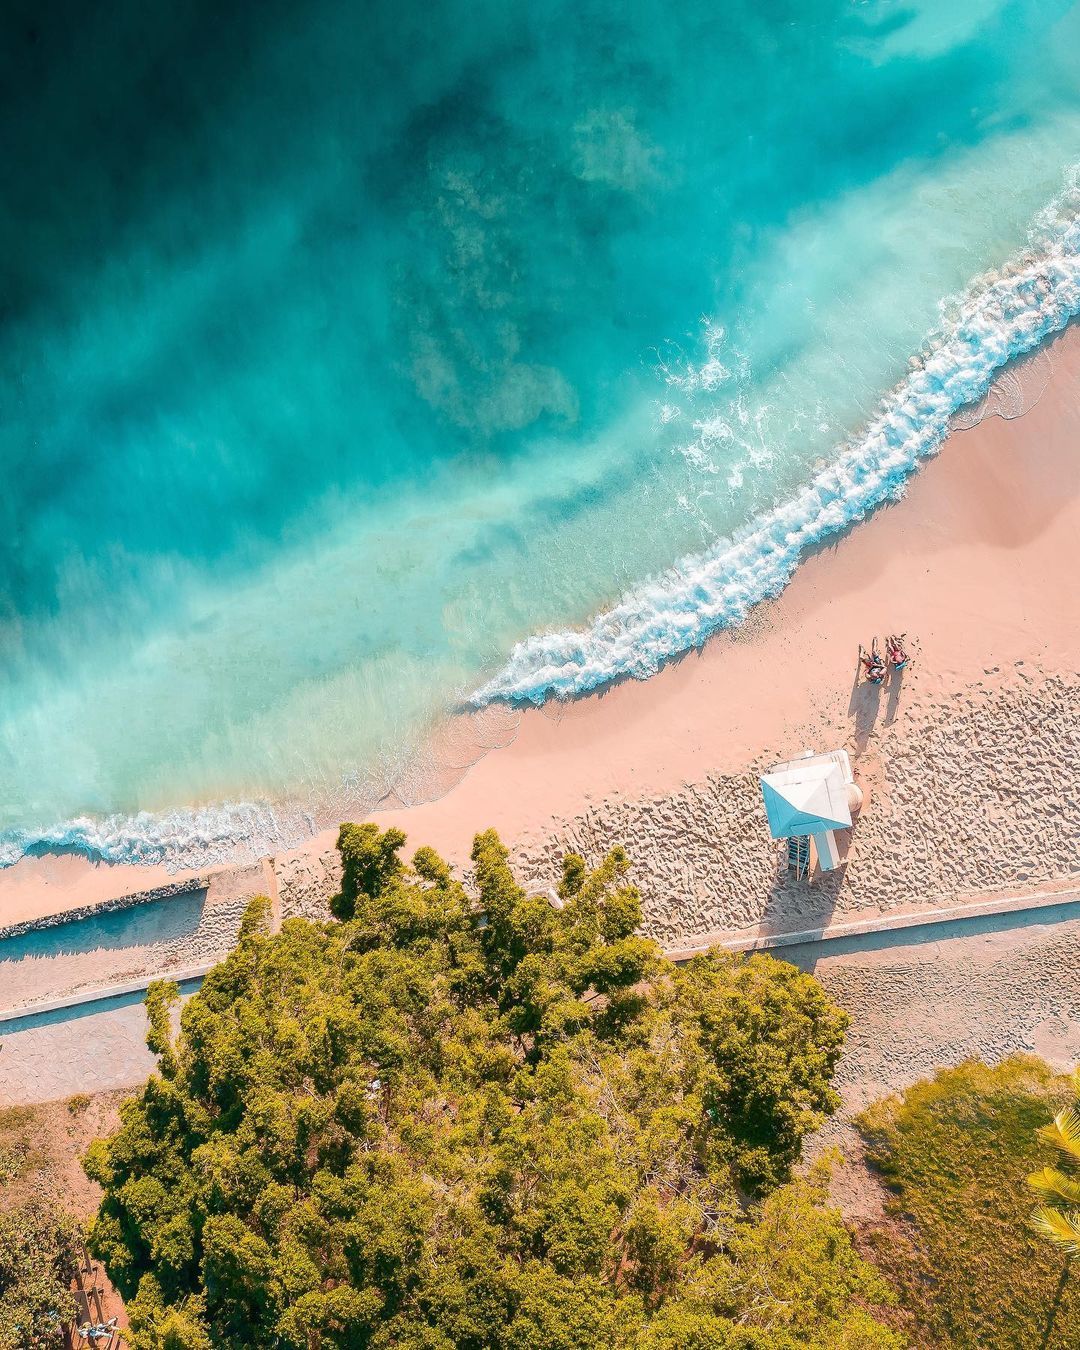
(919, 998)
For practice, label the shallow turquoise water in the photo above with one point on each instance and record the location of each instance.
(342, 348)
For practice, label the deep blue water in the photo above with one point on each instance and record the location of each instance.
(344, 347)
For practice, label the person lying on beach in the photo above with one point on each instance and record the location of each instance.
(898, 657)
(872, 663)
(103, 1331)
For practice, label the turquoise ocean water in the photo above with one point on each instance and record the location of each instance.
(362, 361)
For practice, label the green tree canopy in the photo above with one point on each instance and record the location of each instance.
(37, 1261)
(455, 1123)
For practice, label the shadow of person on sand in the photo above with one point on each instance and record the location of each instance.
(864, 705)
(896, 684)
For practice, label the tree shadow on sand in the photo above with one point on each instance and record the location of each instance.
(1052, 1319)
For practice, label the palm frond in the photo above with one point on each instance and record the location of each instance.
(1051, 1184)
(1064, 1133)
(1062, 1229)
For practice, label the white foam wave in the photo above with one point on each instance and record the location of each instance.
(1000, 317)
(191, 839)
(182, 839)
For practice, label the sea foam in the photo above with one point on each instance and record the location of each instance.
(1001, 316)
(181, 839)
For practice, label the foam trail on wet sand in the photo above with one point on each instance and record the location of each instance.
(1000, 317)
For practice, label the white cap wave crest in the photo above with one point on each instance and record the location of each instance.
(1000, 317)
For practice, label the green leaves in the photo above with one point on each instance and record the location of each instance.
(771, 1040)
(369, 863)
(1053, 1185)
(1064, 1133)
(1058, 1218)
(458, 1123)
(36, 1264)
(1060, 1227)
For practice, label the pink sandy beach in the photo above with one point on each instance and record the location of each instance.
(978, 563)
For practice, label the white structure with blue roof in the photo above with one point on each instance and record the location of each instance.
(812, 796)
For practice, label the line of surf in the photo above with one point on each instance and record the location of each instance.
(196, 838)
(1000, 317)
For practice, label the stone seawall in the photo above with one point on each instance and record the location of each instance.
(94, 911)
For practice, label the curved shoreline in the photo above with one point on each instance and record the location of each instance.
(1003, 317)
(1000, 318)
(975, 562)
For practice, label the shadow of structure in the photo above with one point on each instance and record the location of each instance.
(800, 903)
(803, 907)
(141, 925)
(807, 904)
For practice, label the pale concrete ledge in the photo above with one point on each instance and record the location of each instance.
(883, 923)
(99, 995)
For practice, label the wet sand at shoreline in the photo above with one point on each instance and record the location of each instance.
(969, 760)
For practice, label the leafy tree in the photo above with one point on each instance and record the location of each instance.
(1058, 1218)
(447, 1123)
(36, 1266)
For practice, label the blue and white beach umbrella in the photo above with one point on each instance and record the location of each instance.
(806, 797)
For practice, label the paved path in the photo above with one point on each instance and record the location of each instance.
(57, 1054)
(931, 1004)
(982, 985)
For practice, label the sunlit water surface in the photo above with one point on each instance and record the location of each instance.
(344, 347)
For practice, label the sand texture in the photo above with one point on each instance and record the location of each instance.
(965, 796)
(970, 763)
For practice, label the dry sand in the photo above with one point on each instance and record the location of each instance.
(970, 760)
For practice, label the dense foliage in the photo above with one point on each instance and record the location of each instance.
(454, 1124)
(36, 1264)
(38, 1234)
(957, 1150)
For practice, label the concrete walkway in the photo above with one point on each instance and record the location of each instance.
(54, 1055)
(927, 989)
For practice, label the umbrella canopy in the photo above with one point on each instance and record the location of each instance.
(805, 797)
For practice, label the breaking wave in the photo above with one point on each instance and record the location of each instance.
(196, 838)
(182, 839)
(1000, 317)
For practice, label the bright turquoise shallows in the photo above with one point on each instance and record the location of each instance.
(345, 346)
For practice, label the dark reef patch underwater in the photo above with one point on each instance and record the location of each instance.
(344, 347)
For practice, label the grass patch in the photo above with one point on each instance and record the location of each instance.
(19, 1154)
(956, 1151)
(17, 1119)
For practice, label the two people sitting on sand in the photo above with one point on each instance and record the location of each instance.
(873, 663)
